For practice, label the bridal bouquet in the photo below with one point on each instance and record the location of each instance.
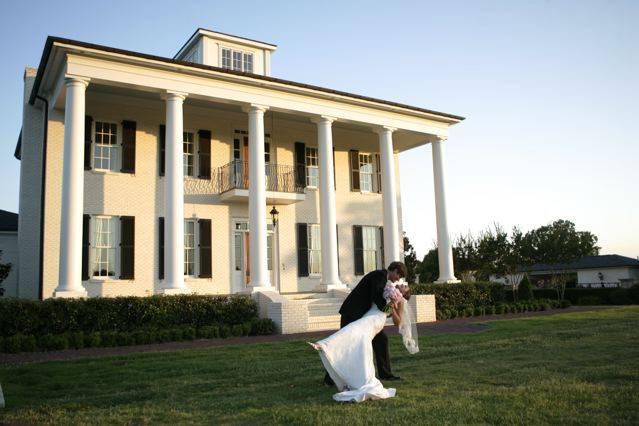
(392, 296)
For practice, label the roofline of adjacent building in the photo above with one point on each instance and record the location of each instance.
(251, 41)
(51, 40)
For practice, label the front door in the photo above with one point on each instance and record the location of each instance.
(242, 255)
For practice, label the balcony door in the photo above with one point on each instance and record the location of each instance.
(241, 157)
(241, 273)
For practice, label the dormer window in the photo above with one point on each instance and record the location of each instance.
(237, 60)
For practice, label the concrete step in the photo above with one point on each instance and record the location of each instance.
(326, 322)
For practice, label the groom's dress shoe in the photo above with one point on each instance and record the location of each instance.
(391, 378)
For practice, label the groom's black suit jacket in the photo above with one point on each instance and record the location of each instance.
(369, 290)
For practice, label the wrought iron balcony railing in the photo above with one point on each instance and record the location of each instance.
(279, 178)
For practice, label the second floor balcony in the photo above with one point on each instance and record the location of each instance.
(284, 184)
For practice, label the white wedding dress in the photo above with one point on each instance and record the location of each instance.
(347, 355)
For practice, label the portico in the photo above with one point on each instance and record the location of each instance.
(268, 106)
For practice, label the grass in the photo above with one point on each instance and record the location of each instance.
(571, 368)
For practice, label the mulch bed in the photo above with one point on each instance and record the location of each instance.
(457, 325)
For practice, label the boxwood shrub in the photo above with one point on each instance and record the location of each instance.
(462, 295)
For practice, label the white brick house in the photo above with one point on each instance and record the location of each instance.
(143, 174)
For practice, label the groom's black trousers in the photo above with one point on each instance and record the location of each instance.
(380, 348)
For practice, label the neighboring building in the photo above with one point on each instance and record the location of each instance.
(9, 249)
(157, 175)
(609, 270)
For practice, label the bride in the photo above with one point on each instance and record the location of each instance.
(347, 354)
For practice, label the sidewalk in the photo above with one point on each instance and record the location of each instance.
(457, 325)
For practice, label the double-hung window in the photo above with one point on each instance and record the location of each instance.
(189, 247)
(314, 249)
(103, 246)
(366, 172)
(237, 60)
(312, 169)
(226, 59)
(369, 245)
(189, 153)
(106, 148)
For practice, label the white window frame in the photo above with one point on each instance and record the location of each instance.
(362, 174)
(117, 146)
(314, 247)
(310, 167)
(244, 54)
(196, 142)
(195, 249)
(374, 231)
(115, 246)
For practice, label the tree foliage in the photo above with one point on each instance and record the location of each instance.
(410, 260)
(5, 268)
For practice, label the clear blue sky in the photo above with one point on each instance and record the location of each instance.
(550, 90)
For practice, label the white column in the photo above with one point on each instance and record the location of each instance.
(444, 245)
(70, 272)
(389, 196)
(330, 273)
(260, 278)
(174, 197)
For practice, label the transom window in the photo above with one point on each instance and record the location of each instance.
(314, 249)
(189, 247)
(366, 172)
(369, 243)
(312, 169)
(103, 248)
(189, 153)
(237, 60)
(106, 148)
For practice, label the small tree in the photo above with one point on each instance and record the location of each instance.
(5, 268)
(428, 268)
(410, 260)
(524, 290)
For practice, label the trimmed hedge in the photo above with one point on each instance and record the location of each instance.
(501, 308)
(121, 314)
(458, 296)
(77, 340)
(589, 296)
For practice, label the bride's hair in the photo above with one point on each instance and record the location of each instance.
(405, 290)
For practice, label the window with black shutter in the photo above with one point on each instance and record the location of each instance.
(381, 248)
(128, 146)
(358, 250)
(86, 222)
(205, 248)
(378, 174)
(88, 124)
(161, 248)
(127, 244)
(162, 147)
(302, 250)
(300, 164)
(204, 154)
(354, 164)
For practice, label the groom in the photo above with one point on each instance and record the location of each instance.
(368, 291)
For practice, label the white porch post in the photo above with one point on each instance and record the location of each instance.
(260, 278)
(389, 196)
(444, 245)
(70, 274)
(330, 273)
(174, 197)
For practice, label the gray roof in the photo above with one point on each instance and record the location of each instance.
(589, 262)
(8, 221)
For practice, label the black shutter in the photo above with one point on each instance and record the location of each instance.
(161, 249)
(302, 250)
(162, 147)
(204, 154)
(127, 244)
(381, 247)
(300, 164)
(86, 220)
(354, 160)
(205, 248)
(88, 121)
(378, 173)
(358, 250)
(128, 146)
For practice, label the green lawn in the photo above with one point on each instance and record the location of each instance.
(566, 368)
